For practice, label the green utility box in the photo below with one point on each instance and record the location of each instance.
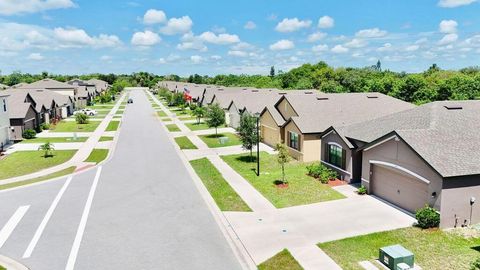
(392, 256)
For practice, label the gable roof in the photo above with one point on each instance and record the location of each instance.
(49, 84)
(17, 105)
(317, 112)
(447, 139)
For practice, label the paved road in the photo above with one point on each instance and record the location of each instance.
(141, 210)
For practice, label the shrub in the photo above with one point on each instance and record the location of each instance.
(193, 106)
(321, 172)
(362, 190)
(45, 126)
(29, 134)
(427, 217)
(81, 118)
(475, 265)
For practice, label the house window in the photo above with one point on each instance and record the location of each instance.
(293, 140)
(336, 156)
(4, 105)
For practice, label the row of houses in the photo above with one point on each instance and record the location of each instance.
(407, 155)
(28, 106)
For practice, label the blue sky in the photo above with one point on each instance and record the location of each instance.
(247, 36)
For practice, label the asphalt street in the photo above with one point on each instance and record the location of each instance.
(140, 210)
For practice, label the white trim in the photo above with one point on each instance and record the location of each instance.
(380, 142)
(400, 168)
(336, 144)
(331, 165)
(328, 133)
(365, 180)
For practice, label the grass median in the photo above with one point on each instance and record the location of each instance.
(185, 143)
(97, 155)
(113, 126)
(61, 173)
(173, 128)
(302, 189)
(281, 261)
(223, 194)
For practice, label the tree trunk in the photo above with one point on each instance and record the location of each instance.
(216, 133)
(283, 173)
(251, 154)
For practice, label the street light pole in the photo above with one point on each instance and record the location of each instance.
(258, 147)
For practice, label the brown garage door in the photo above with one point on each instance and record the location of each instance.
(399, 188)
(270, 136)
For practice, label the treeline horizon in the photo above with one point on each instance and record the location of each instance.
(430, 85)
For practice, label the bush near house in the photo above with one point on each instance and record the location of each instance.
(45, 126)
(427, 217)
(362, 190)
(29, 134)
(321, 172)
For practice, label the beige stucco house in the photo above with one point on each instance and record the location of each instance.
(423, 156)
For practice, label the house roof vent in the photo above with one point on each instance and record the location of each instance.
(453, 107)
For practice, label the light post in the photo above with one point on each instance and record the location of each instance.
(258, 144)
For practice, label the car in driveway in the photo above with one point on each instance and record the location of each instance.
(130, 100)
(88, 112)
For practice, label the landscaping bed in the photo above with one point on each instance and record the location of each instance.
(26, 162)
(302, 189)
(97, 155)
(55, 140)
(433, 249)
(72, 126)
(223, 194)
(173, 128)
(213, 140)
(185, 143)
(196, 126)
(281, 261)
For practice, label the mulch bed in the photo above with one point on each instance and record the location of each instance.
(336, 183)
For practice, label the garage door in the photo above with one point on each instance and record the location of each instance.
(234, 120)
(270, 135)
(399, 188)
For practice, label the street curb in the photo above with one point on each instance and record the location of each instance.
(11, 264)
(238, 249)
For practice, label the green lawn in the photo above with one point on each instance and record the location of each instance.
(72, 126)
(186, 118)
(113, 126)
(26, 162)
(105, 139)
(213, 140)
(433, 249)
(161, 113)
(38, 179)
(172, 128)
(165, 119)
(56, 140)
(282, 261)
(97, 155)
(95, 107)
(223, 194)
(120, 112)
(185, 143)
(302, 189)
(196, 126)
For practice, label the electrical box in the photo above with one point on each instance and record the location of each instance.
(392, 256)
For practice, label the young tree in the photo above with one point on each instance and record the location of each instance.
(81, 118)
(47, 148)
(215, 116)
(199, 112)
(248, 132)
(282, 158)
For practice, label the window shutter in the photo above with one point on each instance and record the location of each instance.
(344, 159)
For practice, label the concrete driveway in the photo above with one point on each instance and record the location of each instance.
(266, 233)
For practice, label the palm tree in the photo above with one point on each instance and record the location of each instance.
(48, 148)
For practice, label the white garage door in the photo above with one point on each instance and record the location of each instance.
(399, 188)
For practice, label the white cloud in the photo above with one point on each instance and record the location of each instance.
(448, 39)
(314, 37)
(238, 53)
(12, 7)
(455, 3)
(283, 44)
(177, 26)
(356, 43)
(326, 22)
(74, 37)
(195, 45)
(371, 33)
(145, 39)
(216, 57)
(448, 26)
(220, 39)
(162, 61)
(196, 59)
(320, 48)
(250, 25)
(412, 48)
(292, 25)
(35, 56)
(242, 46)
(153, 16)
(339, 49)
(386, 47)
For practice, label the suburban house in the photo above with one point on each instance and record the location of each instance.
(86, 92)
(22, 114)
(100, 86)
(425, 155)
(4, 120)
(305, 117)
(52, 85)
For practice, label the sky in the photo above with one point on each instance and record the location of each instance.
(239, 37)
